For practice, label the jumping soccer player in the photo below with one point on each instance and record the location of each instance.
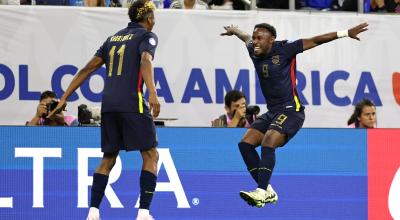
(126, 121)
(275, 63)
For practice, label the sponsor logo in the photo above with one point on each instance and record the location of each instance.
(199, 86)
(39, 155)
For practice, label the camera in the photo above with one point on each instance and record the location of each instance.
(89, 116)
(252, 110)
(50, 107)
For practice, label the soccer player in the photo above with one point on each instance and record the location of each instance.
(126, 120)
(275, 63)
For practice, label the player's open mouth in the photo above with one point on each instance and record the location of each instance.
(257, 49)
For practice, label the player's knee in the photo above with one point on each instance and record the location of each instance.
(150, 155)
(155, 155)
(247, 140)
(108, 161)
(253, 137)
(274, 140)
(269, 142)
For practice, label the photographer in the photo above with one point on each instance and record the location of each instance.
(238, 114)
(48, 101)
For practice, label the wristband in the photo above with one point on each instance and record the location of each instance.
(343, 33)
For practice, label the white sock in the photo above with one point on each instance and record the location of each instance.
(262, 190)
(143, 212)
(93, 209)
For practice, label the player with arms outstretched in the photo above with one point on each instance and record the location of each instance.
(275, 63)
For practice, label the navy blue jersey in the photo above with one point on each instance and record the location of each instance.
(277, 75)
(123, 87)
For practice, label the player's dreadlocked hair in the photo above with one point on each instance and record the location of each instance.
(141, 10)
(269, 28)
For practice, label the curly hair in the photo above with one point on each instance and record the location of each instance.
(268, 27)
(141, 10)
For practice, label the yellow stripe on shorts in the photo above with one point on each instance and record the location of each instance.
(140, 102)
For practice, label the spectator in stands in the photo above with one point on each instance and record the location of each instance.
(40, 118)
(314, 4)
(189, 4)
(277, 4)
(167, 3)
(115, 3)
(95, 3)
(344, 5)
(9, 2)
(364, 115)
(376, 6)
(221, 4)
(48, 2)
(158, 3)
(235, 116)
(229, 4)
(392, 6)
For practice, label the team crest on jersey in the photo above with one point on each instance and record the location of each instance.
(275, 59)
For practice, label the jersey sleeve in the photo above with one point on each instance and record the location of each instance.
(102, 51)
(293, 48)
(149, 44)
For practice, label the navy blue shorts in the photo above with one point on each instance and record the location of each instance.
(127, 131)
(285, 122)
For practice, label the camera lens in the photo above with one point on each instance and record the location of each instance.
(252, 110)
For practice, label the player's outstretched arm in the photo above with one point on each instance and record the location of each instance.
(80, 77)
(325, 38)
(148, 77)
(234, 30)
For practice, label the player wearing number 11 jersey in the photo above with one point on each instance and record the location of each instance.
(126, 120)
